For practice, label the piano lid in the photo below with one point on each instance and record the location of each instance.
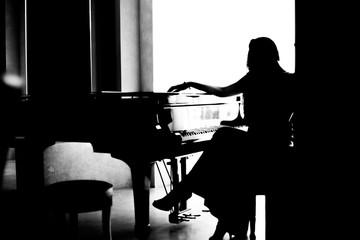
(196, 111)
(136, 94)
(175, 99)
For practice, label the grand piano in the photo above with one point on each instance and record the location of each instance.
(137, 128)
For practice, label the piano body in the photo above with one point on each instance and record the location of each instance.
(138, 128)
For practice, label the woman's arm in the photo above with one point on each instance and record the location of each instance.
(227, 91)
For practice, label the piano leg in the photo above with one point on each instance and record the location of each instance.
(141, 188)
(183, 160)
(30, 166)
(29, 158)
(174, 215)
(182, 206)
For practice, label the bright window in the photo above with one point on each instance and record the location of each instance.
(207, 40)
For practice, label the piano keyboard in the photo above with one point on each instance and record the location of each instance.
(202, 134)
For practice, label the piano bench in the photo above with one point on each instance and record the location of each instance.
(78, 196)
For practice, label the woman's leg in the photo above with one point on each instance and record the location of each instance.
(212, 168)
(233, 214)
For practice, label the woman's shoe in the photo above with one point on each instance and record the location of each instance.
(236, 229)
(220, 231)
(164, 204)
(169, 201)
(232, 237)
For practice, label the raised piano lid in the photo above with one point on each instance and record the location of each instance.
(194, 99)
(174, 99)
(196, 111)
(190, 110)
(132, 95)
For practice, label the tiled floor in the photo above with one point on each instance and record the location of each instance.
(24, 219)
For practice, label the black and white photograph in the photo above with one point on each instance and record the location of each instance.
(178, 120)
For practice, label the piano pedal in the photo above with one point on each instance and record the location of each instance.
(191, 216)
(182, 217)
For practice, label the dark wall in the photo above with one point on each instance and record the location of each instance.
(324, 56)
(324, 67)
(107, 52)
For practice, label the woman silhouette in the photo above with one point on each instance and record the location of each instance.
(223, 175)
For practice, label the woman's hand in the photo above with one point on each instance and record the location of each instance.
(179, 87)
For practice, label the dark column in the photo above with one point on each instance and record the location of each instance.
(58, 47)
(106, 45)
(2, 38)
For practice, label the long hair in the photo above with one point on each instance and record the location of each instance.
(263, 54)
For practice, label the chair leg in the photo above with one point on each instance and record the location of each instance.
(253, 219)
(59, 224)
(73, 220)
(106, 222)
